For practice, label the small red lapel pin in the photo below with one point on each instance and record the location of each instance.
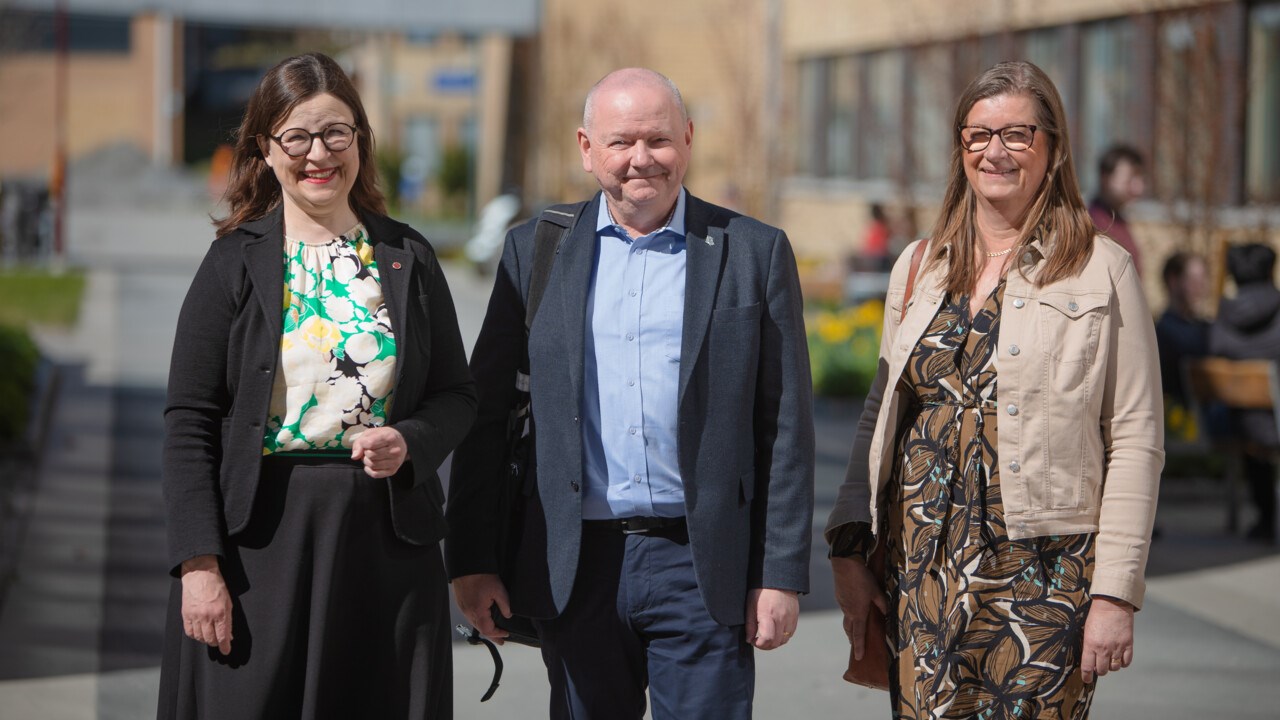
(395, 265)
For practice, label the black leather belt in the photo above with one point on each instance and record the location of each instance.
(635, 525)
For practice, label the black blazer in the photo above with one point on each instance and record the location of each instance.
(226, 353)
(746, 440)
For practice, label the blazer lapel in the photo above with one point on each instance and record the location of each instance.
(264, 263)
(704, 250)
(395, 269)
(572, 275)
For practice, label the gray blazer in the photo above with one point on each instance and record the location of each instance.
(746, 440)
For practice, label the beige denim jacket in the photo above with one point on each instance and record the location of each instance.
(1080, 418)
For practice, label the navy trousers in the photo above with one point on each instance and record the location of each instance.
(635, 620)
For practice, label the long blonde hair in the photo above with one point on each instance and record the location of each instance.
(1057, 213)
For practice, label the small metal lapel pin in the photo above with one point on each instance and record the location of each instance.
(710, 240)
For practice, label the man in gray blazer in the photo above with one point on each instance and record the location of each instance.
(666, 527)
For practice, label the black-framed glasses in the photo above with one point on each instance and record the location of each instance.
(297, 142)
(976, 138)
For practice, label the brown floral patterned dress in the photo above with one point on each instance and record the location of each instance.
(987, 627)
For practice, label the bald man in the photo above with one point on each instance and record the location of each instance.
(668, 523)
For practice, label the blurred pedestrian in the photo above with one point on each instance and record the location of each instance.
(1121, 180)
(1180, 332)
(1248, 327)
(668, 523)
(873, 256)
(318, 381)
(1014, 528)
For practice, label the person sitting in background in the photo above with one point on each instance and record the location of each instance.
(1120, 182)
(1180, 332)
(1248, 327)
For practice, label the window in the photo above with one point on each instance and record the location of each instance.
(810, 123)
(1262, 141)
(932, 107)
(1107, 86)
(882, 143)
(36, 31)
(842, 128)
(1047, 49)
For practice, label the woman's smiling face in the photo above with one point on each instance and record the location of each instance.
(1004, 179)
(318, 183)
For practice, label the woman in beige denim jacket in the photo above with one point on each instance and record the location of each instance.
(1014, 526)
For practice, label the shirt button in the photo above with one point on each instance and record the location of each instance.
(636, 479)
(632, 293)
(1018, 302)
(1026, 257)
(1014, 350)
(631, 383)
(1012, 409)
(630, 336)
(631, 430)
(1072, 306)
(1014, 466)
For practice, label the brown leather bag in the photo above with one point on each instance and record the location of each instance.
(873, 669)
(911, 276)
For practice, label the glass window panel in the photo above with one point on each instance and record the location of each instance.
(882, 147)
(1107, 86)
(1262, 141)
(813, 88)
(1047, 49)
(842, 128)
(932, 105)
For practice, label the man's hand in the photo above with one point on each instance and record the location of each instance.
(856, 591)
(206, 604)
(382, 449)
(1108, 638)
(475, 594)
(772, 616)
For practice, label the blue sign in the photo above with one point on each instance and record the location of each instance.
(454, 81)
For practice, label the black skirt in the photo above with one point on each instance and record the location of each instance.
(333, 615)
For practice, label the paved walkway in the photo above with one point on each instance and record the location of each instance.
(81, 626)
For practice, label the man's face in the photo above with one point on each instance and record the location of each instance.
(637, 148)
(1125, 184)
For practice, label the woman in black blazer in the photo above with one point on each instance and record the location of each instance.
(318, 380)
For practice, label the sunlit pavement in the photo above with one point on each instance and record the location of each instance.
(80, 626)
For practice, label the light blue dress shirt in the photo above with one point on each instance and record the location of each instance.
(635, 317)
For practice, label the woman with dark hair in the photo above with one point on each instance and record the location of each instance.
(1248, 328)
(318, 380)
(1013, 526)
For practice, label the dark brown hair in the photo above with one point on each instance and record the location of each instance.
(1057, 213)
(252, 189)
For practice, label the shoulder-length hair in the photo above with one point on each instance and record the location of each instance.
(1056, 214)
(252, 188)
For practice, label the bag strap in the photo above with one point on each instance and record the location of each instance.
(553, 227)
(911, 277)
(549, 235)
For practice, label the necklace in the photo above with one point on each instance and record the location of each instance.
(1005, 251)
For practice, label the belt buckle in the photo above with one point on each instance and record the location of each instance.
(639, 529)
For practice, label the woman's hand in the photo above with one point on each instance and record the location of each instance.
(382, 449)
(856, 591)
(206, 604)
(1108, 638)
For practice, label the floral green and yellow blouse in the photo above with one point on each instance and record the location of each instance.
(337, 350)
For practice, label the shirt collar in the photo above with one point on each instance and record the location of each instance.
(675, 223)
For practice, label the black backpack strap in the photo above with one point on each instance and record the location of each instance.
(553, 227)
(548, 236)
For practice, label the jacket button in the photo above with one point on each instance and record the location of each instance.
(1018, 302)
(576, 420)
(1072, 306)
(1014, 350)
(1014, 466)
(574, 484)
(1012, 409)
